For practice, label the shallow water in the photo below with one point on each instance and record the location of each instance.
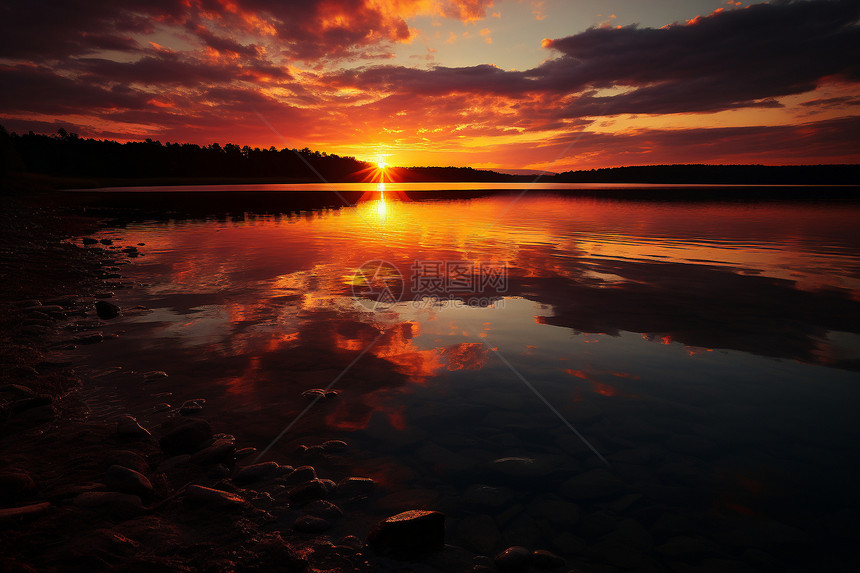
(708, 353)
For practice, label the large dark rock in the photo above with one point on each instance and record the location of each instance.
(107, 309)
(125, 480)
(184, 435)
(416, 530)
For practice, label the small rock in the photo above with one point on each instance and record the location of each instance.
(222, 451)
(329, 485)
(12, 516)
(127, 427)
(415, 530)
(487, 496)
(125, 480)
(161, 407)
(514, 558)
(314, 451)
(311, 524)
(214, 497)
(173, 462)
(185, 436)
(119, 504)
(191, 406)
(323, 508)
(244, 453)
(543, 559)
(106, 241)
(308, 491)
(335, 446)
(128, 459)
(314, 394)
(254, 472)
(302, 474)
(154, 375)
(89, 241)
(107, 310)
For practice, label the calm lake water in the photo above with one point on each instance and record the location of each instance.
(632, 385)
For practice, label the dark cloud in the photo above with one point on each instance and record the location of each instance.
(730, 59)
(57, 29)
(39, 89)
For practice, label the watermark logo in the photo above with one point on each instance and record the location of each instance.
(378, 284)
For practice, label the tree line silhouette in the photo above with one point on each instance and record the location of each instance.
(67, 155)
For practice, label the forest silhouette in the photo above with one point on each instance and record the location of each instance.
(69, 156)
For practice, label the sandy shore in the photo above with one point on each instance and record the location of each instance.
(79, 494)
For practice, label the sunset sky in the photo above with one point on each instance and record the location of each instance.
(537, 84)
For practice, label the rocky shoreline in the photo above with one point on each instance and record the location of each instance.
(83, 493)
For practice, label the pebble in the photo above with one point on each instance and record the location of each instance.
(12, 516)
(127, 426)
(355, 486)
(107, 310)
(185, 436)
(311, 524)
(125, 480)
(162, 407)
(308, 491)
(323, 508)
(515, 558)
(254, 472)
(415, 530)
(517, 467)
(89, 241)
(487, 496)
(302, 474)
(190, 407)
(222, 451)
(128, 459)
(335, 446)
(314, 451)
(154, 375)
(244, 452)
(213, 497)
